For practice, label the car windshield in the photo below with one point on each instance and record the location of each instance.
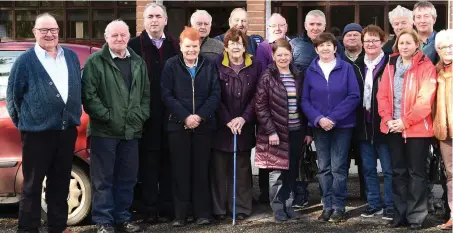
(7, 59)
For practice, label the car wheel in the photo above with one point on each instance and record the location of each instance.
(79, 198)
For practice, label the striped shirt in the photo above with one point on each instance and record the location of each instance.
(290, 85)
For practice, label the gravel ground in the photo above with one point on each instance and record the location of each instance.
(262, 220)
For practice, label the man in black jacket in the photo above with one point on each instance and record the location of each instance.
(155, 47)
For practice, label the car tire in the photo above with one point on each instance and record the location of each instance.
(79, 198)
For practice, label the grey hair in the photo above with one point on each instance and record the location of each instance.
(315, 13)
(276, 15)
(400, 11)
(444, 36)
(199, 13)
(154, 5)
(116, 21)
(42, 16)
(426, 4)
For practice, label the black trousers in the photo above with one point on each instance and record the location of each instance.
(155, 176)
(190, 153)
(410, 178)
(47, 153)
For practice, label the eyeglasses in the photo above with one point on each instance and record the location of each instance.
(445, 48)
(44, 31)
(235, 44)
(371, 41)
(277, 25)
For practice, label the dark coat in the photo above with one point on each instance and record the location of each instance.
(155, 60)
(237, 100)
(184, 96)
(271, 106)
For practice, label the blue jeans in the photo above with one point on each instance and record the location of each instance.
(369, 162)
(332, 148)
(114, 166)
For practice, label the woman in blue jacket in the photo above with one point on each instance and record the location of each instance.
(330, 97)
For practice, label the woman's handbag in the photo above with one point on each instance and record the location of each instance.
(308, 166)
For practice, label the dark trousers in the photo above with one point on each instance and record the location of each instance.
(410, 178)
(47, 153)
(155, 178)
(283, 183)
(263, 182)
(113, 169)
(190, 153)
(222, 182)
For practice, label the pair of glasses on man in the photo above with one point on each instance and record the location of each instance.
(44, 31)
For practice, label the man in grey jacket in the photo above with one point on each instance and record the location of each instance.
(201, 20)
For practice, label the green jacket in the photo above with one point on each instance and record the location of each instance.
(115, 112)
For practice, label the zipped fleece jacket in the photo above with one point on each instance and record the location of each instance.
(184, 95)
(115, 112)
(419, 91)
(336, 99)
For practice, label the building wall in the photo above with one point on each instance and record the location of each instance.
(257, 16)
(450, 13)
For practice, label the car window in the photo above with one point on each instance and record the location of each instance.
(7, 59)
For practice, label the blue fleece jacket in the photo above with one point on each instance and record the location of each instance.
(34, 103)
(335, 99)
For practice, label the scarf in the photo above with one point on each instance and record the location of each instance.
(368, 87)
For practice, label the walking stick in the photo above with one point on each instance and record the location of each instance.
(234, 179)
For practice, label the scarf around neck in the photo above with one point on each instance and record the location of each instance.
(368, 87)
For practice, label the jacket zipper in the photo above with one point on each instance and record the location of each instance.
(364, 121)
(391, 88)
(404, 104)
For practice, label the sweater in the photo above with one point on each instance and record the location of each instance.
(211, 48)
(34, 103)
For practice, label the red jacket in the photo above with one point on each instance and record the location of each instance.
(419, 90)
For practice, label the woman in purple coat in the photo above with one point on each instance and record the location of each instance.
(330, 97)
(238, 74)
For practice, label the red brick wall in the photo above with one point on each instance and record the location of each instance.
(257, 17)
(139, 15)
(450, 13)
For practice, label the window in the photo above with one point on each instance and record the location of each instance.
(340, 17)
(100, 20)
(25, 21)
(128, 16)
(77, 26)
(6, 20)
(372, 15)
(7, 59)
(291, 13)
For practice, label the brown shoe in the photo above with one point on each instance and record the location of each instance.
(67, 230)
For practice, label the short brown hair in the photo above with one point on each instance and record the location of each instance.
(233, 34)
(281, 43)
(374, 30)
(323, 38)
(412, 33)
(189, 33)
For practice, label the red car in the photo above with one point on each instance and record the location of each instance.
(79, 198)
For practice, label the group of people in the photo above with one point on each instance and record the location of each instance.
(171, 112)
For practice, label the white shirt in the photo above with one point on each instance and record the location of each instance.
(327, 67)
(56, 68)
(115, 56)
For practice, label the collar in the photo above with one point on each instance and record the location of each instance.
(194, 65)
(163, 37)
(116, 56)
(352, 58)
(247, 59)
(286, 38)
(41, 53)
(431, 38)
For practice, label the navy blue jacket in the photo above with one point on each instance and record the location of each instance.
(336, 99)
(34, 103)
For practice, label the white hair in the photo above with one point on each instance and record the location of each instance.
(276, 15)
(155, 5)
(400, 11)
(198, 13)
(426, 4)
(44, 15)
(315, 13)
(115, 22)
(444, 37)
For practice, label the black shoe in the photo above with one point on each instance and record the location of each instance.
(325, 216)
(105, 228)
(393, 224)
(337, 216)
(150, 219)
(388, 215)
(220, 217)
(280, 216)
(241, 216)
(414, 227)
(203, 221)
(371, 212)
(178, 223)
(128, 227)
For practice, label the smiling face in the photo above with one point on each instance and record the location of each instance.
(235, 49)
(326, 51)
(202, 23)
(154, 20)
(372, 44)
(424, 20)
(315, 25)
(282, 57)
(445, 51)
(277, 28)
(190, 49)
(47, 41)
(239, 20)
(117, 37)
(407, 46)
(400, 23)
